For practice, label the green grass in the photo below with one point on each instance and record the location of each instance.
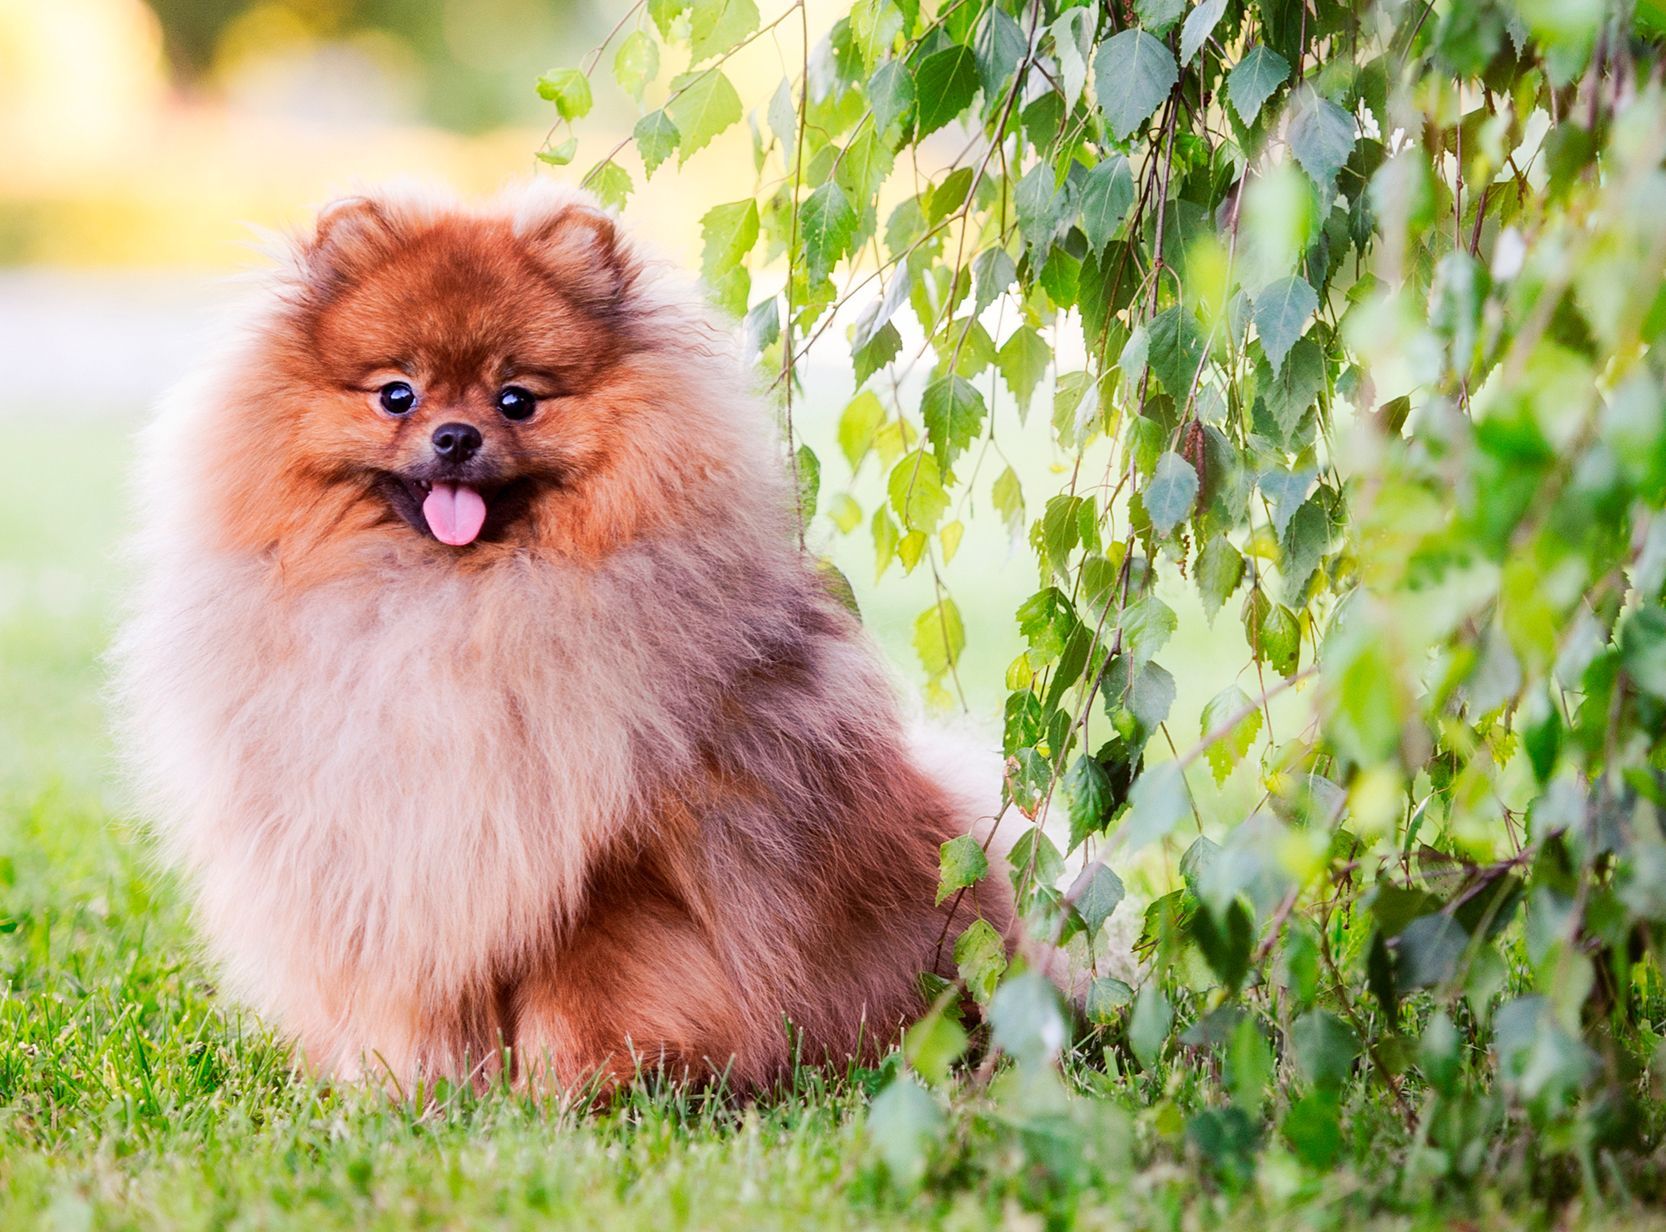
(132, 1096)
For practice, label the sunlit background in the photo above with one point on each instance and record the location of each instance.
(146, 145)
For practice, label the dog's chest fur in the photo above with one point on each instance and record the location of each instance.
(409, 769)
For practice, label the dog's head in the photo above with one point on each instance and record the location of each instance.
(482, 380)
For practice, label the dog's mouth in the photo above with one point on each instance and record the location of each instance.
(456, 512)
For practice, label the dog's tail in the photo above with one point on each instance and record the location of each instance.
(970, 768)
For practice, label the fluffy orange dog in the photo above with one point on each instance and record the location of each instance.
(476, 680)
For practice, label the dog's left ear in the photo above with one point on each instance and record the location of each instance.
(350, 234)
(582, 248)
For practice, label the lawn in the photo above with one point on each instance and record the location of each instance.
(132, 1096)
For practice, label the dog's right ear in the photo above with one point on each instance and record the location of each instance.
(350, 234)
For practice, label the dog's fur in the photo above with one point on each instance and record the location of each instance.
(617, 784)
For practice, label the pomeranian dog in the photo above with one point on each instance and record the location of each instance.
(477, 682)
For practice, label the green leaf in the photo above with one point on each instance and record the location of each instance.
(950, 195)
(1313, 1127)
(939, 637)
(1087, 794)
(1321, 137)
(1158, 15)
(1225, 939)
(1008, 498)
(828, 227)
(762, 327)
(999, 46)
(1148, 1027)
(656, 138)
(1225, 753)
(992, 273)
(1304, 545)
(1022, 361)
(1253, 80)
(636, 63)
(953, 412)
(1025, 1020)
(1282, 311)
(1285, 491)
(559, 155)
(1132, 74)
(944, 86)
(981, 958)
(1047, 621)
(1220, 568)
(611, 184)
(569, 90)
(1394, 906)
(963, 347)
(704, 103)
(1289, 393)
(857, 424)
(932, 1045)
(1106, 995)
(885, 346)
(885, 541)
(665, 14)
(960, 863)
(904, 1125)
(1147, 625)
(846, 514)
(1273, 632)
(1157, 804)
(1033, 858)
(1429, 950)
(1200, 23)
(727, 234)
(1172, 493)
(1097, 893)
(1107, 194)
(715, 26)
(1042, 208)
(1249, 1064)
(866, 163)
(1174, 350)
(809, 481)
(916, 492)
(1072, 41)
(1324, 1048)
(891, 95)
(1151, 695)
(1365, 716)
(783, 119)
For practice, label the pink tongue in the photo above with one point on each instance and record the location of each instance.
(455, 513)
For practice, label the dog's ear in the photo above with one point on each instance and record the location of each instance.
(582, 249)
(350, 234)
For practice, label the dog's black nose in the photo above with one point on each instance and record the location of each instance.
(456, 442)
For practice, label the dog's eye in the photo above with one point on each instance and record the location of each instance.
(515, 403)
(398, 398)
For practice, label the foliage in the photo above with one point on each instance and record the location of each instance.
(1348, 315)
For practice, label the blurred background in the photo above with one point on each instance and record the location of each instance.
(146, 144)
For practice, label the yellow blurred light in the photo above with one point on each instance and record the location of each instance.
(78, 80)
(1376, 802)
